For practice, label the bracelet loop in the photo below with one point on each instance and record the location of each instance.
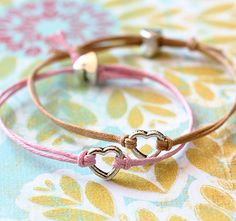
(117, 72)
(113, 72)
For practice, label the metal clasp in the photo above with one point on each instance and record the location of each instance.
(151, 44)
(87, 65)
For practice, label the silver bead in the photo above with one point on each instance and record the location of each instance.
(87, 65)
(150, 46)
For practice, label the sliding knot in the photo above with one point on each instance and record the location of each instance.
(192, 44)
(128, 142)
(166, 145)
(85, 159)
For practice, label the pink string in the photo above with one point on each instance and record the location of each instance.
(105, 72)
(59, 39)
(83, 159)
(38, 149)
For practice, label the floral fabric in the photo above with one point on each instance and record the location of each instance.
(197, 184)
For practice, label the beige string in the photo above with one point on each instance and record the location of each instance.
(123, 41)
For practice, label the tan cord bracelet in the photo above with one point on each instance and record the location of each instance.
(151, 40)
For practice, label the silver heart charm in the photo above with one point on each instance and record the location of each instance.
(144, 134)
(103, 151)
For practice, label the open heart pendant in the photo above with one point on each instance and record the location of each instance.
(147, 134)
(103, 151)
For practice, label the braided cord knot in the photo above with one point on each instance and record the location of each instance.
(128, 142)
(165, 145)
(192, 44)
(85, 160)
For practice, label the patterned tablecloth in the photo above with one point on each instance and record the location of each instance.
(198, 184)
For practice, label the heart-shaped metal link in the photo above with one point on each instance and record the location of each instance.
(147, 134)
(103, 151)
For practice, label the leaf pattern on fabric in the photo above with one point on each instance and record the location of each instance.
(149, 101)
(218, 81)
(203, 90)
(215, 160)
(5, 2)
(159, 110)
(49, 186)
(77, 113)
(222, 39)
(7, 66)
(66, 201)
(8, 116)
(95, 192)
(176, 218)
(158, 19)
(137, 12)
(217, 9)
(206, 155)
(135, 118)
(227, 184)
(166, 173)
(148, 96)
(199, 71)
(218, 198)
(144, 214)
(135, 182)
(206, 212)
(220, 23)
(51, 201)
(71, 188)
(67, 214)
(182, 85)
(71, 112)
(117, 3)
(123, 217)
(117, 104)
(63, 138)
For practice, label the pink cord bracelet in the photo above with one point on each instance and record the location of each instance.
(84, 61)
(88, 158)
